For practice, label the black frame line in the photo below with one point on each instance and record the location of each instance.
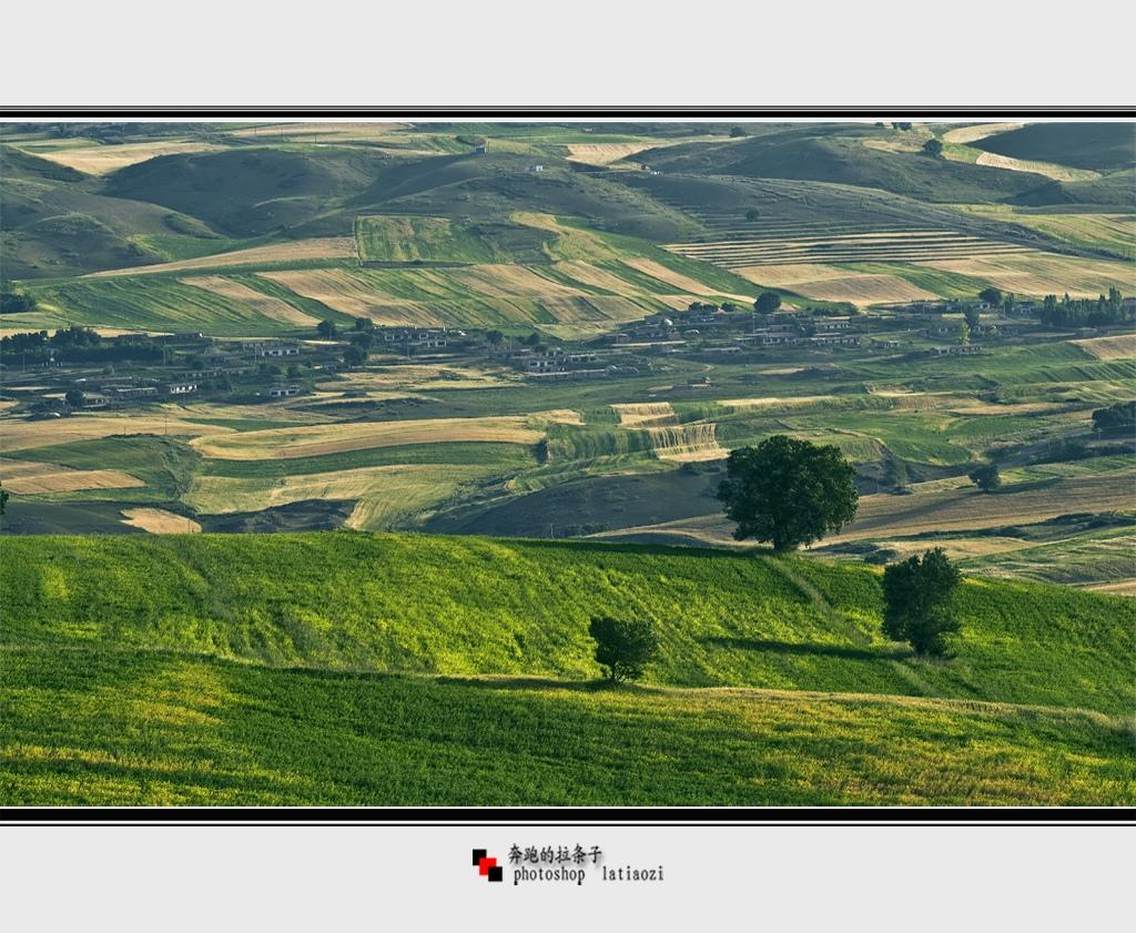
(615, 816)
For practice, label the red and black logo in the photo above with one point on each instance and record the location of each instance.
(487, 866)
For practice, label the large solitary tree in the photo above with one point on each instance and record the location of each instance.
(788, 491)
(917, 596)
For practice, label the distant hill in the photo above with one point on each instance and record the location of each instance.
(844, 160)
(250, 191)
(1101, 146)
(55, 223)
(1115, 190)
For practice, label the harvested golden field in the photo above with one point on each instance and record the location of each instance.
(962, 135)
(31, 477)
(944, 506)
(828, 283)
(778, 402)
(1110, 231)
(101, 160)
(1048, 169)
(682, 282)
(383, 493)
(160, 522)
(332, 131)
(592, 275)
(337, 247)
(340, 290)
(903, 245)
(1038, 273)
(503, 280)
(1116, 587)
(606, 153)
(948, 505)
(1119, 347)
(633, 415)
(420, 377)
(257, 302)
(317, 440)
(473, 295)
(276, 410)
(19, 434)
(683, 443)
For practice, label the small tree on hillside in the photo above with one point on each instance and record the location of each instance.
(737, 132)
(933, 147)
(623, 647)
(986, 477)
(753, 214)
(992, 296)
(973, 317)
(3, 499)
(74, 398)
(327, 329)
(917, 596)
(767, 303)
(963, 334)
(494, 337)
(788, 491)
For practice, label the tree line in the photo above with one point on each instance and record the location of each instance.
(1086, 312)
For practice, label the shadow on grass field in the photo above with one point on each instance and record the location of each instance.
(820, 650)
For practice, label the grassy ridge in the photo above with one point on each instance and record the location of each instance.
(469, 606)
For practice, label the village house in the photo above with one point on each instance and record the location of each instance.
(272, 349)
(420, 337)
(835, 340)
(837, 323)
(128, 392)
(962, 349)
(181, 388)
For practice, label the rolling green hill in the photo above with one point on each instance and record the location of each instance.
(1100, 146)
(238, 668)
(845, 160)
(54, 223)
(250, 191)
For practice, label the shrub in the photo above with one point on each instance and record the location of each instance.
(986, 477)
(623, 647)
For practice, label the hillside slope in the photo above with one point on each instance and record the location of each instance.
(1101, 146)
(382, 669)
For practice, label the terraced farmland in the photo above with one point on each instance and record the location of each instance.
(776, 247)
(318, 440)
